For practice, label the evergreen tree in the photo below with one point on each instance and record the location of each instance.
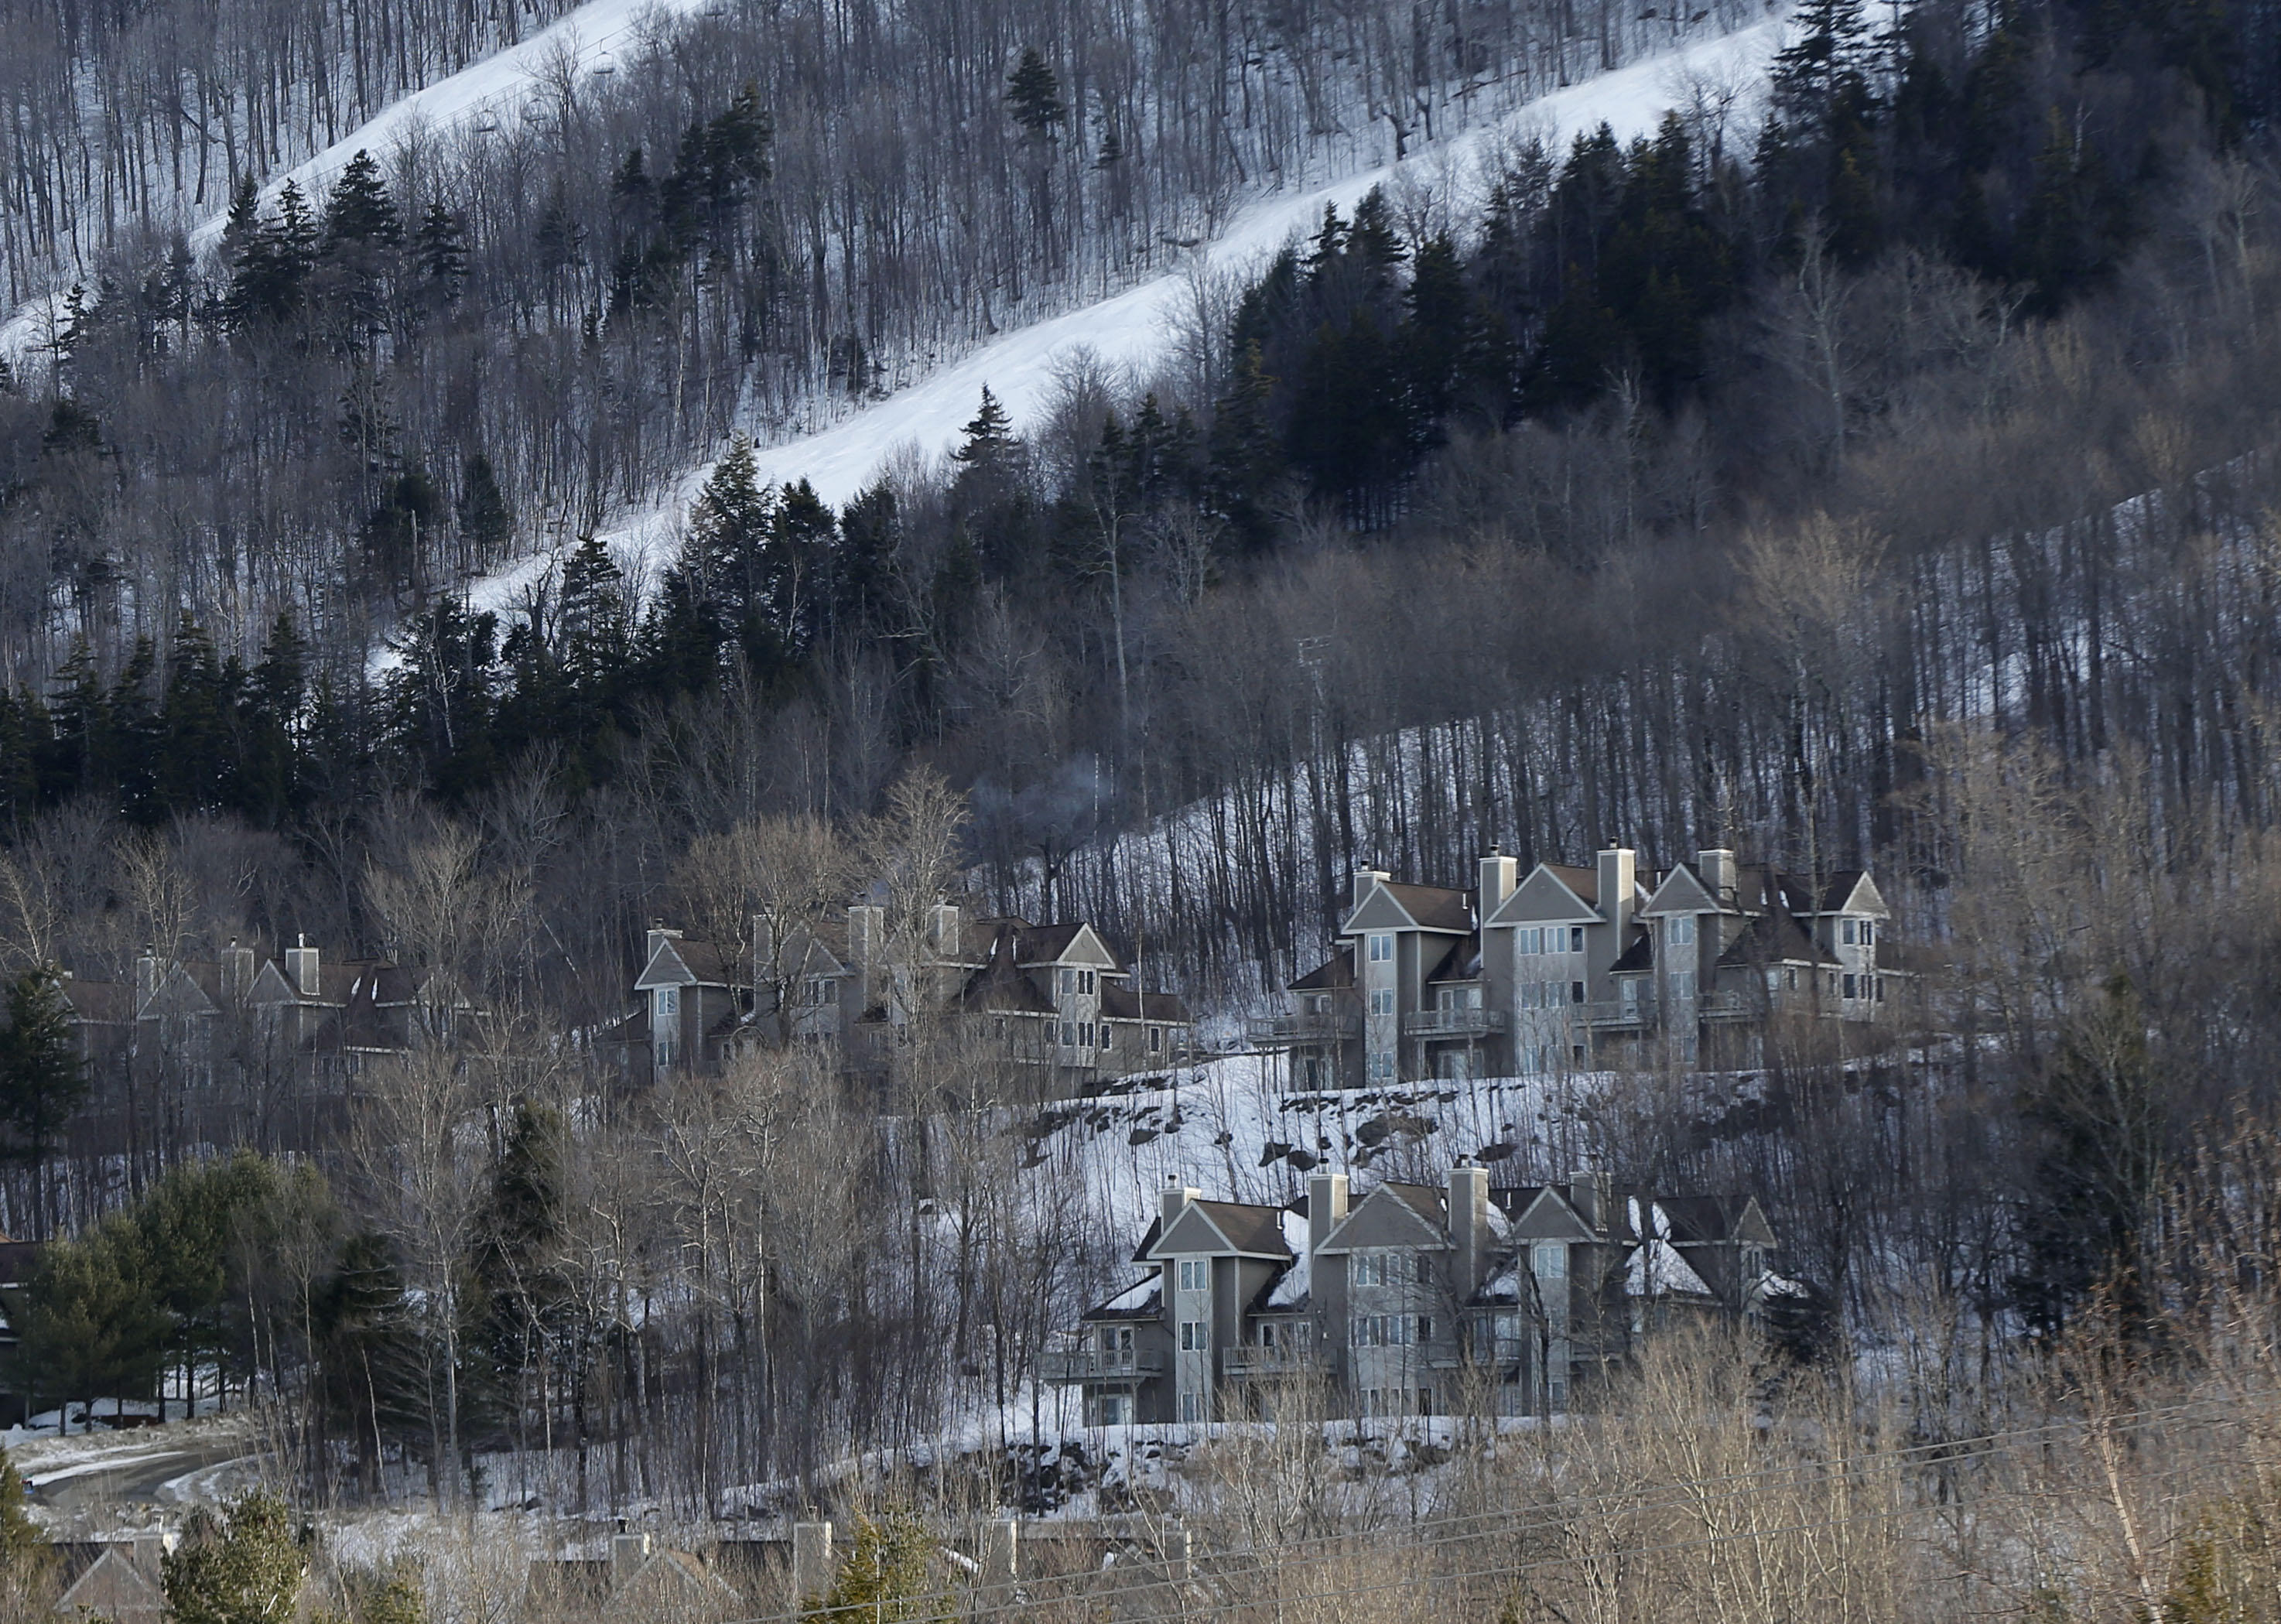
(244, 1568)
(441, 244)
(486, 522)
(24, 1551)
(1035, 97)
(41, 1082)
(990, 444)
(88, 1323)
(1245, 461)
(359, 209)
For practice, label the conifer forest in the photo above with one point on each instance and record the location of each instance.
(1854, 442)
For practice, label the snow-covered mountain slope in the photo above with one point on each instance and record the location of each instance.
(1136, 331)
(493, 92)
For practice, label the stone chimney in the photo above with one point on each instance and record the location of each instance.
(943, 930)
(1469, 1219)
(301, 968)
(146, 975)
(1499, 874)
(1715, 865)
(1363, 879)
(1326, 1207)
(628, 1552)
(1173, 1202)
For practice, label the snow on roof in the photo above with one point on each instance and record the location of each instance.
(1291, 1288)
(1655, 1269)
(1143, 1297)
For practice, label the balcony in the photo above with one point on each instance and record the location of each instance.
(1283, 1359)
(1620, 1014)
(1473, 1023)
(1306, 1026)
(1095, 1365)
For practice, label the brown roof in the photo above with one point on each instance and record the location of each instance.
(1585, 882)
(1461, 963)
(1121, 1004)
(98, 1001)
(1771, 938)
(1248, 1228)
(1424, 1200)
(1335, 973)
(1002, 988)
(1436, 907)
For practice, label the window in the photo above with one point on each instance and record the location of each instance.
(1848, 983)
(1845, 931)
(1192, 1337)
(1424, 1328)
(1085, 981)
(1190, 1408)
(1084, 1034)
(1881, 988)
(1774, 981)
(1156, 1039)
(1112, 1409)
(1682, 984)
(664, 1056)
(1683, 931)
(1266, 1334)
(1195, 1274)
(1381, 1000)
(668, 1001)
(1531, 940)
(1575, 939)
(1069, 1034)
(1381, 948)
(998, 1026)
(1425, 1270)
(1069, 981)
(1105, 1034)
(1628, 989)
(1868, 932)
(1575, 992)
(1532, 994)
(1549, 1261)
(1790, 978)
(1381, 1065)
(1425, 1400)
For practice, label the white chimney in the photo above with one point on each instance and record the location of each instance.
(658, 933)
(301, 967)
(1716, 866)
(1587, 1192)
(1499, 874)
(1326, 1207)
(146, 977)
(942, 927)
(1469, 1217)
(1619, 871)
(1363, 879)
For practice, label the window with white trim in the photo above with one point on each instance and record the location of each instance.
(1382, 947)
(1195, 1274)
(1549, 1261)
(1381, 1000)
(1192, 1337)
(1683, 929)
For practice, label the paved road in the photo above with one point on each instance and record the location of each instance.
(138, 1478)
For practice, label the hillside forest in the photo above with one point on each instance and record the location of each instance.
(1878, 469)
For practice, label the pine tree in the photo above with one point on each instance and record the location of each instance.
(89, 1325)
(1245, 461)
(990, 442)
(1828, 60)
(41, 1081)
(486, 522)
(441, 243)
(884, 1578)
(1035, 97)
(23, 1548)
(246, 1568)
(359, 209)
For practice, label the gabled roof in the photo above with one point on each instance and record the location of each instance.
(1682, 891)
(1772, 940)
(1069, 943)
(1123, 1003)
(1220, 1227)
(1334, 974)
(1553, 893)
(1638, 956)
(1390, 905)
(1142, 1301)
(1546, 1215)
(102, 1002)
(113, 1588)
(681, 962)
(1851, 890)
(1699, 1220)
(1407, 1215)
(1005, 990)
